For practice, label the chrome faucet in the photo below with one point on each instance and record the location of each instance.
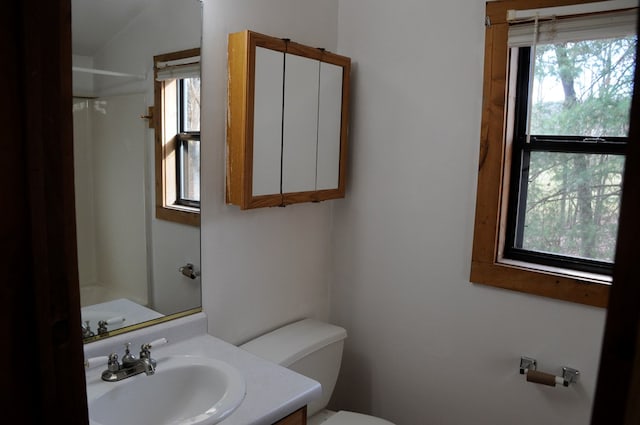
(130, 365)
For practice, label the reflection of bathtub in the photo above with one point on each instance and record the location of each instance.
(96, 294)
(133, 313)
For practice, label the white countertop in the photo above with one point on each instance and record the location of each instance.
(272, 392)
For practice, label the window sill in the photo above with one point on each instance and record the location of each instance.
(563, 284)
(179, 214)
(585, 277)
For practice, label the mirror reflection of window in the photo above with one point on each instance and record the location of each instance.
(177, 94)
(188, 149)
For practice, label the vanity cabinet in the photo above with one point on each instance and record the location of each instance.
(299, 417)
(286, 122)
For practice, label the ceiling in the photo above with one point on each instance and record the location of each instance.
(95, 22)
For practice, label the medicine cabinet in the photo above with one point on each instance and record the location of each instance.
(286, 123)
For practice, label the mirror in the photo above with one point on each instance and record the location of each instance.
(134, 269)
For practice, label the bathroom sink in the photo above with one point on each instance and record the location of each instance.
(184, 390)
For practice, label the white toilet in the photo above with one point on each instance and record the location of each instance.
(314, 349)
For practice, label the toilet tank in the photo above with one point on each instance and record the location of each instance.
(309, 347)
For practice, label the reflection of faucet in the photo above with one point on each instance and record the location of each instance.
(86, 330)
(189, 271)
(131, 365)
(102, 324)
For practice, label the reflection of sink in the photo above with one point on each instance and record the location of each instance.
(132, 312)
(95, 316)
(184, 390)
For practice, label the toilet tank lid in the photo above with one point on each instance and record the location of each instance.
(290, 343)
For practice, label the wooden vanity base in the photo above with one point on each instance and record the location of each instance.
(299, 417)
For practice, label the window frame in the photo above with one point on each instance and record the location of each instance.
(166, 149)
(488, 264)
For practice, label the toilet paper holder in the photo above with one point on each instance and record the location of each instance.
(529, 367)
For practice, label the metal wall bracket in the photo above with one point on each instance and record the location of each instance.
(569, 376)
(527, 363)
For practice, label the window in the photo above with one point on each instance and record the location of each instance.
(570, 133)
(177, 139)
(555, 125)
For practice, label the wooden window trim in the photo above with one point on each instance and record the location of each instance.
(487, 265)
(163, 167)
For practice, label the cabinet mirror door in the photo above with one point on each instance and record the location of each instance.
(300, 124)
(329, 126)
(267, 121)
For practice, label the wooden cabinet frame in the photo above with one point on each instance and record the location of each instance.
(240, 120)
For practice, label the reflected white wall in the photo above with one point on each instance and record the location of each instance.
(110, 199)
(83, 180)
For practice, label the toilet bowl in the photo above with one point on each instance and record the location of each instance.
(314, 349)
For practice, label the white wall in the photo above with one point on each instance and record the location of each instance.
(110, 206)
(266, 267)
(165, 26)
(83, 172)
(426, 346)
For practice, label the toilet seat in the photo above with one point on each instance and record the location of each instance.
(350, 418)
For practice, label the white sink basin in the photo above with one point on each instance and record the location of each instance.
(184, 390)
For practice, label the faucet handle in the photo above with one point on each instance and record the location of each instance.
(102, 324)
(145, 349)
(115, 320)
(95, 361)
(149, 345)
(159, 341)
